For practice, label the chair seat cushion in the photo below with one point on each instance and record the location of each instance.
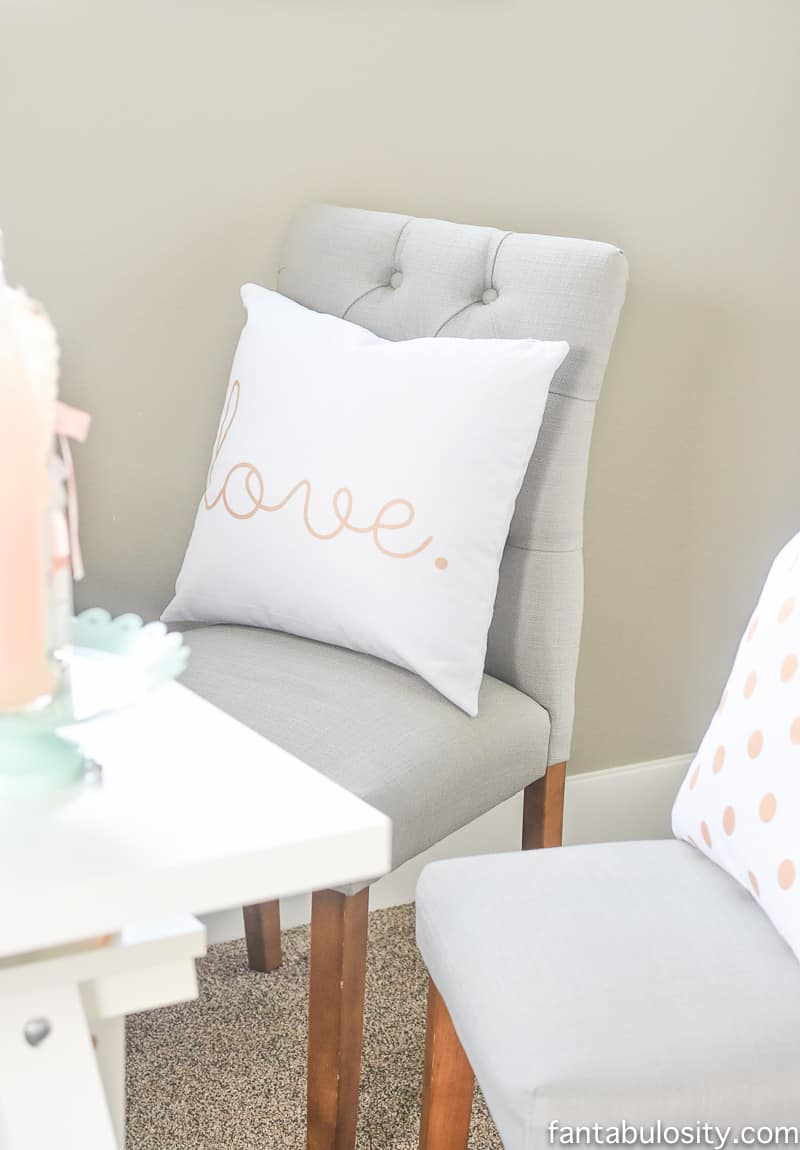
(378, 730)
(632, 981)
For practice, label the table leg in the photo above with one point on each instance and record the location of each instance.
(109, 1036)
(52, 1090)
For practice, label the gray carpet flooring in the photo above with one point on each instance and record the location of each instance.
(227, 1072)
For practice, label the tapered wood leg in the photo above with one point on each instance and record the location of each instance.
(336, 1017)
(448, 1083)
(262, 929)
(543, 812)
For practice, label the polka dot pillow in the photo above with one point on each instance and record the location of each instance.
(740, 800)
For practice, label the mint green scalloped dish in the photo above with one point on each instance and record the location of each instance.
(112, 664)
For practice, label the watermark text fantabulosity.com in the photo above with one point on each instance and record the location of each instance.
(704, 1134)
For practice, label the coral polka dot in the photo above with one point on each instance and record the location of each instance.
(787, 873)
(741, 796)
(786, 610)
(767, 808)
(755, 744)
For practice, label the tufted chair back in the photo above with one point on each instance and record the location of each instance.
(402, 278)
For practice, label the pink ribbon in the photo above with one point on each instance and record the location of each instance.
(71, 423)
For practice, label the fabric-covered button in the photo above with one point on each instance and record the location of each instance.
(396, 279)
(489, 296)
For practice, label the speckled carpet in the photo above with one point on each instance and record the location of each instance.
(228, 1072)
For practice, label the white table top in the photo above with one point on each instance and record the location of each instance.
(195, 813)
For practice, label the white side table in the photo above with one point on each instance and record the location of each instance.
(193, 813)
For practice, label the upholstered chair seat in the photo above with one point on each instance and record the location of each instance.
(378, 730)
(593, 984)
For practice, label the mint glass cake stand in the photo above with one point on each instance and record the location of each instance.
(112, 663)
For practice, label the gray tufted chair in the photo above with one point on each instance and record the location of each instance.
(376, 729)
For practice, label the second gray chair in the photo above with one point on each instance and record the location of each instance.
(378, 730)
(624, 982)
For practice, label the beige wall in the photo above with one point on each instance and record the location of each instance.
(151, 154)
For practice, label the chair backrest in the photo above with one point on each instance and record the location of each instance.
(403, 277)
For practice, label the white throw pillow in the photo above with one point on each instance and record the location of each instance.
(361, 490)
(740, 800)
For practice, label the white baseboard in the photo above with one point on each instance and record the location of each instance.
(630, 802)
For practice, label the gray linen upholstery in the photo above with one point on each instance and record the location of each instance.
(404, 277)
(376, 729)
(632, 981)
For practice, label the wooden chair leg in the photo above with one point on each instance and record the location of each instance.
(262, 930)
(543, 812)
(336, 1017)
(448, 1083)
